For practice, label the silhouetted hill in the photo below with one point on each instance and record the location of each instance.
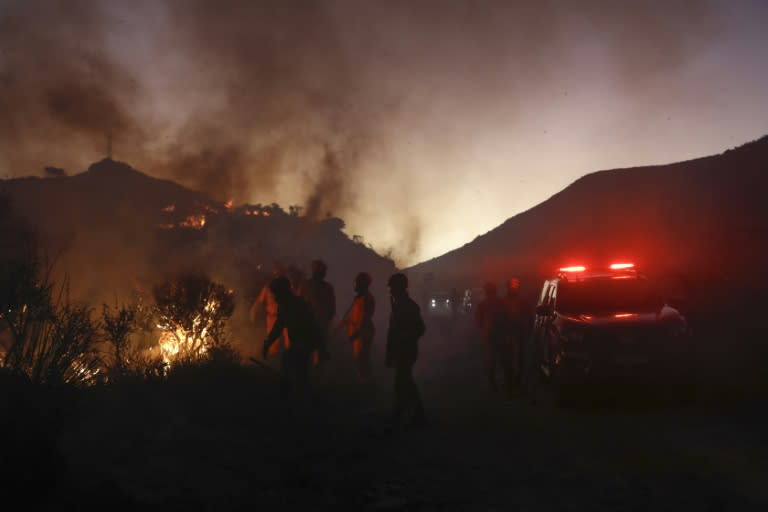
(699, 228)
(117, 231)
(705, 219)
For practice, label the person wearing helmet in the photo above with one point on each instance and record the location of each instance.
(266, 301)
(322, 297)
(521, 326)
(492, 318)
(294, 315)
(406, 326)
(359, 326)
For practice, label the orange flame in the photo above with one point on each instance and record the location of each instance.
(193, 221)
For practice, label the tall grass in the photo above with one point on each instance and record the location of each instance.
(52, 340)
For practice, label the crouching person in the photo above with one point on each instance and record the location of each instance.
(295, 315)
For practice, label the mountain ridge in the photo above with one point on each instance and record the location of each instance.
(707, 203)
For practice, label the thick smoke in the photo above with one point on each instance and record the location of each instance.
(249, 94)
(61, 93)
(329, 188)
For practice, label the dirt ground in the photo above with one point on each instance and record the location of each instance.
(230, 443)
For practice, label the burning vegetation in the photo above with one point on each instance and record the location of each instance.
(192, 314)
(199, 217)
(51, 340)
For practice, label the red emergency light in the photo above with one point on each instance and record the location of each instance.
(574, 268)
(622, 266)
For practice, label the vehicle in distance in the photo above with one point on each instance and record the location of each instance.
(595, 323)
(440, 304)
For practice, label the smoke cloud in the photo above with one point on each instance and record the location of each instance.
(320, 103)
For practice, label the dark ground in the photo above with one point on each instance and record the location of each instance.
(221, 440)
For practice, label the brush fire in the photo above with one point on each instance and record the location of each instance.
(192, 312)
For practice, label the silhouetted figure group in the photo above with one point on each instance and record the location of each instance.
(299, 318)
(505, 324)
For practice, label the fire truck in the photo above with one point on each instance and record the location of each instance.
(594, 323)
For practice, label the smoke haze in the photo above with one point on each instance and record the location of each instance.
(422, 124)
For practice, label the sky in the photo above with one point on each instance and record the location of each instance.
(421, 123)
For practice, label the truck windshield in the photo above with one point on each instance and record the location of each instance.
(607, 296)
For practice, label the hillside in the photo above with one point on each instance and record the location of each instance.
(116, 231)
(704, 219)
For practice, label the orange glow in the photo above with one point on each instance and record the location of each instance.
(624, 315)
(169, 208)
(228, 204)
(193, 221)
(257, 212)
(574, 268)
(621, 266)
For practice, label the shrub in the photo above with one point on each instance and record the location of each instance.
(192, 312)
(52, 341)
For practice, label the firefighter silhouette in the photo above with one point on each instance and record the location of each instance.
(322, 298)
(492, 317)
(359, 326)
(521, 326)
(295, 316)
(267, 303)
(406, 326)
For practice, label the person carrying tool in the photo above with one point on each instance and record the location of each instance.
(266, 301)
(295, 316)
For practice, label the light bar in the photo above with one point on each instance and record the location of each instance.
(621, 266)
(575, 268)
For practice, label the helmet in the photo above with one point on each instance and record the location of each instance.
(280, 286)
(363, 280)
(398, 281)
(319, 268)
(489, 288)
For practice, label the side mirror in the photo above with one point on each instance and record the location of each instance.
(543, 310)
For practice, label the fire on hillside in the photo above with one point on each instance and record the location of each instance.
(198, 219)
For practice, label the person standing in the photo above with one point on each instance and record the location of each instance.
(359, 326)
(521, 325)
(493, 320)
(295, 316)
(266, 301)
(406, 326)
(523, 344)
(322, 297)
